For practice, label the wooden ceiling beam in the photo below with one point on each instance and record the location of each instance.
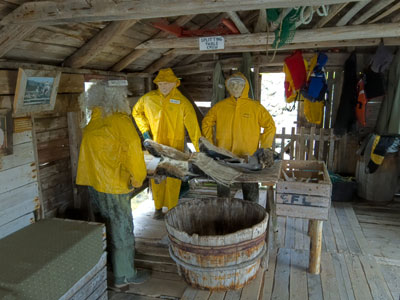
(334, 59)
(136, 54)
(355, 32)
(386, 13)
(163, 61)
(59, 12)
(10, 35)
(261, 25)
(377, 7)
(238, 22)
(317, 45)
(97, 43)
(352, 12)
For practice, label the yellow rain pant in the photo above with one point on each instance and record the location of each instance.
(238, 124)
(167, 117)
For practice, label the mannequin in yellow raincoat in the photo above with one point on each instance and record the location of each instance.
(164, 113)
(111, 163)
(238, 121)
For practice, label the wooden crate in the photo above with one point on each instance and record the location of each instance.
(304, 190)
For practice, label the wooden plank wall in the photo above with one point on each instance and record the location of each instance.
(19, 191)
(53, 133)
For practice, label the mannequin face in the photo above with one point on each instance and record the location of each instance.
(166, 87)
(235, 86)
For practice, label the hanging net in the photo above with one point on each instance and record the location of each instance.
(286, 30)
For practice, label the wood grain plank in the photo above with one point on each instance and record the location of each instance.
(357, 277)
(266, 291)
(351, 240)
(298, 275)
(252, 290)
(337, 231)
(290, 233)
(314, 287)
(330, 288)
(342, 277)
(282, 273)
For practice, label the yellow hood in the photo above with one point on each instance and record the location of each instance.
(166, 75)
(245, 93)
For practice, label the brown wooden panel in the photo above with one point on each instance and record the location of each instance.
(8, 81)
(303, 200)
(50, 123)
(305, 212)
(52, 154)
(55, 168)
(71, 83)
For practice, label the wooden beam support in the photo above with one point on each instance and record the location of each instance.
(333, 11)
(238, 22)
(334, 59)
(386, 13)
(12, 34)
(261, 25)
(396, 18)
(136, 54)
(355, 32)
(15, 65)
(311, 45)
(58, 12)
(352, 12)
(97, 43)
(160, 63)
(377, 7)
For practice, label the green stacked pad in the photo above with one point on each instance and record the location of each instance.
(44, 260)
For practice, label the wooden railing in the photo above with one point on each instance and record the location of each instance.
(306, 144)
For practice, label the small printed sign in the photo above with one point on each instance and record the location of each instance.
(174, 101)
(211, 43)
(122, 82)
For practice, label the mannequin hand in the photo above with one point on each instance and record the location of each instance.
(146, 135)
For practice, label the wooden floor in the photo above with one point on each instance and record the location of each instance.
(360, 259)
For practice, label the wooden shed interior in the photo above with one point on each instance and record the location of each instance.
(90, 40)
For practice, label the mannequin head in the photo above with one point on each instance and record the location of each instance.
(235, 86)
(165, 87)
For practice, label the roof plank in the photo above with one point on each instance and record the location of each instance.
(333, 11)
(10, 36)
(46, 12)
(238, 22)
(136, 54)
(352, 12)
(96, 44)
(377, 7)
(386, 13)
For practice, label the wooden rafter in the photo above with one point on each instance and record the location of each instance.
(352, 12)
(317, 45)
(333, 11)
(238, 22)
(160, 63)
(396, 18)
(261, 25)
(12, 34)
(58, 12)
(335, 59)
(386, 13)
(97, 43)
(377, 7)
(355, 32)
(136, 54)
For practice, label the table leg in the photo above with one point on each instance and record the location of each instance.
(315, 246)
(272, 208)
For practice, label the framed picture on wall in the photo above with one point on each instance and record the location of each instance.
(6, 132)
(36, 91)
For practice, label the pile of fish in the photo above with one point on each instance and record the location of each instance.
(219, 164)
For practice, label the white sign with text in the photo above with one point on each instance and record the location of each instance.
(211, 43)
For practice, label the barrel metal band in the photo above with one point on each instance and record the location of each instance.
(217, 250)
(194, 268)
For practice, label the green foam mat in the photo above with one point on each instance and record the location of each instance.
(44, 260)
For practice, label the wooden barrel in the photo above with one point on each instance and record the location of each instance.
(217, 243)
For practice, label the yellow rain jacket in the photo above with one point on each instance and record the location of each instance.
(238, 124)
(166, 118)
(111, 158)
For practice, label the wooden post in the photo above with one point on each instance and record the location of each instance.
(283, 143)
(35, 152)
(292, 143)
(315, 246)
(75, 138)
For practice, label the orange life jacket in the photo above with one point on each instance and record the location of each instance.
(361, 103)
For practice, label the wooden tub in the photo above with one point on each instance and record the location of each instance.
(217, 243)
